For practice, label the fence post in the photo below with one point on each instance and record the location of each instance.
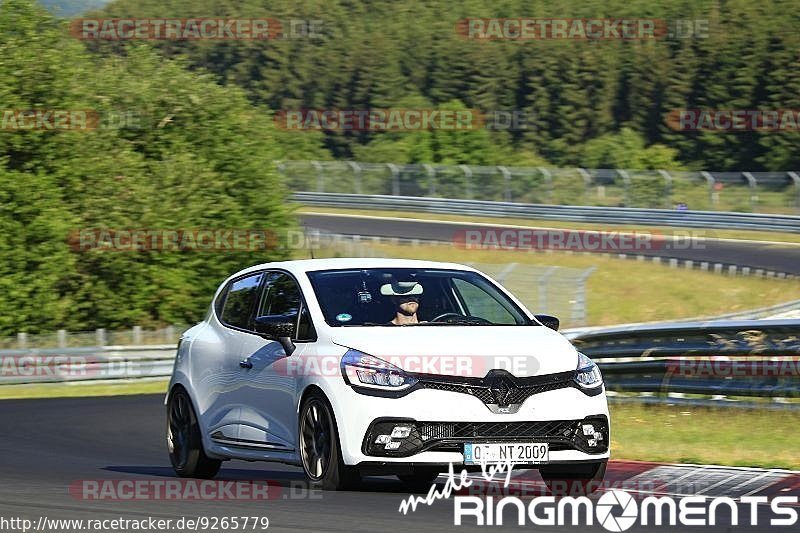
(169, 334)
(579, 309)
(587, 182)
(468, 176)
(61, 335)
(395, 178)
(432, 179)
(501, 277)
(506, 183)
(100, 337)
(136, 335)
(548, 179)
(626, 180)
(22, 340)
(796, 180)
(751, 182)
(320, 176)
(667, 188)
(356, 175)
(714, 199)
(542, 289)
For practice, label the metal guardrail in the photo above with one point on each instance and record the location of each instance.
(771, 192)
(601, 215)
(724, 358)
(716, 361)
(86, 364)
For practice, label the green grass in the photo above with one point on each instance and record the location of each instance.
(734, 437)
(628, 291)
(73, 390)
(707, 233)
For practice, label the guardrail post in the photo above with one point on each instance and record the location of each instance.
(22, 340)
(395, 178)
(356, 175)
(667, 188)
(506, 183)
(100, 337)
(548, 179)
(169, 334)
(752, 183)
(468, 176)
(61, 336)
(431, 179)
(796, 180)
(320, 176)
(713, 198)
(626, 180)
(136, 335)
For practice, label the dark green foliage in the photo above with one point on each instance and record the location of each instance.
(386, 53)
(197, 156)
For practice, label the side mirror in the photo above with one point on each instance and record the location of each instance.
(548, 321)
(278, 327)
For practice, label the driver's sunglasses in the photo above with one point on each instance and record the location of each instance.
(406, 299)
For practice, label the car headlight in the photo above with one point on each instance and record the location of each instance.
(363, 370)
(588, 375)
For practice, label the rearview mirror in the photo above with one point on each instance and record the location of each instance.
(278, 327)
(548, 321)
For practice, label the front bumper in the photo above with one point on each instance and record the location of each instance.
(454, 418)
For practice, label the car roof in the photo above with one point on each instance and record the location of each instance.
(301, 266)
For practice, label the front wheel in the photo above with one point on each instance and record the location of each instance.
(319, 447)
(573, 480)
(184, 441)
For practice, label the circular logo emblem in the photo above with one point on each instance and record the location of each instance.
(615, 500)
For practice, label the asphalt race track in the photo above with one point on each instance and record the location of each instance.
(753, 254)
(51, 446)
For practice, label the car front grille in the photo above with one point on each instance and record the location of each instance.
(499, 388)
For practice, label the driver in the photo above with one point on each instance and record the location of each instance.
(405, 298)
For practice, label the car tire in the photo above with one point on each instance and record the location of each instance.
(421, 478)
(184, 442)
(320, 449)
(573, 480)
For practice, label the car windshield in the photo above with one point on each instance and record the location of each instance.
(412, 297)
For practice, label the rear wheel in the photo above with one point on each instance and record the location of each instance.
(421, 478)
(320, 452)
(184, 441)
(573, 480)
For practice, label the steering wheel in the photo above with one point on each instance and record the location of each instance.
(444, 316)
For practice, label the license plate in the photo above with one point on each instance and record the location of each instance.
(517, 453)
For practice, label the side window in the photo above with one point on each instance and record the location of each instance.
(241, 296)
(481, 304)
(282, 296)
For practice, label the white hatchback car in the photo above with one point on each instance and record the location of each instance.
(352, 367)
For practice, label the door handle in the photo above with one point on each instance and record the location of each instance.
(246, 364)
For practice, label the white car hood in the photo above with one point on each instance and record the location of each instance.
(464, 350)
